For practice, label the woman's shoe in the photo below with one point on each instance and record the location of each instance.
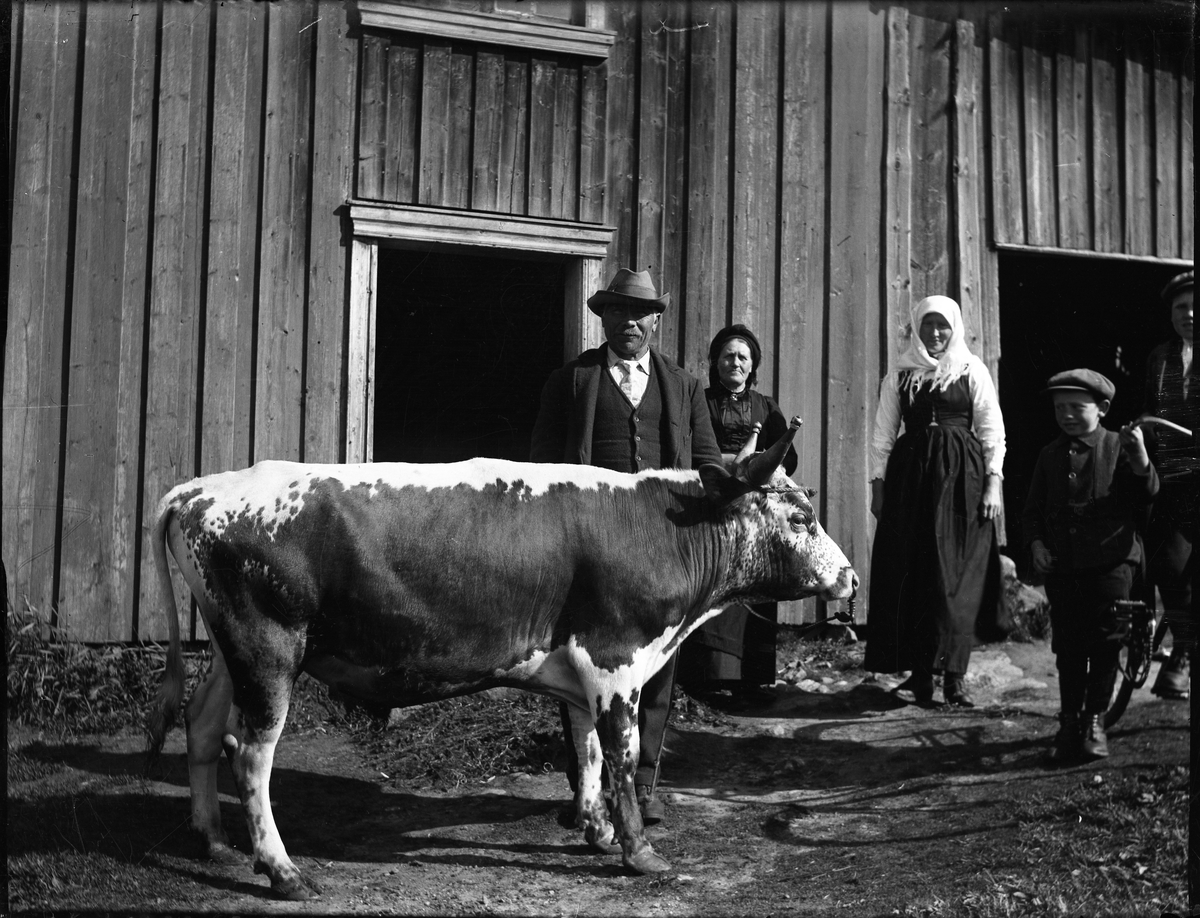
(954, 690)
(919, 686)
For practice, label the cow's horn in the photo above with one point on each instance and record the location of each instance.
(763, 466)
(751, 443)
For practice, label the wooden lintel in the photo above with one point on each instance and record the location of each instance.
(488, 29)
(471, 228)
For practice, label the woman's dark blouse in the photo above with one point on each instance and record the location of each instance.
(734, 414)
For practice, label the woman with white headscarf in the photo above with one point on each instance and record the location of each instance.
(936, 459)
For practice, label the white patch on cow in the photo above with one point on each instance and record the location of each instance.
(273, 491)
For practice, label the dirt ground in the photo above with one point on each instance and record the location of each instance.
(835, 798)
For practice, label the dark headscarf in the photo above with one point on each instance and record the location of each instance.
(718, 342)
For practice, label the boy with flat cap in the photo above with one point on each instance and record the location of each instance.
(1091, 491)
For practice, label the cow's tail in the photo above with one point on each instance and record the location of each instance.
(165, 711)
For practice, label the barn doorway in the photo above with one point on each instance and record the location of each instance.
(463, 346)
(1062, 312)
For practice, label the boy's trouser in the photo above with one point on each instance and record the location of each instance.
(1084, 630)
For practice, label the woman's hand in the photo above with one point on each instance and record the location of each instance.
(992, 499)
(1043, 561)
(876, 497)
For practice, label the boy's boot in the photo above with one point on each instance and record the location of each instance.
(1095, 742)
(1172, 682)
(1067, 740)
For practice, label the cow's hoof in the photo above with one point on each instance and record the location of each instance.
(601, 838)
(646, 862)
(295, 889)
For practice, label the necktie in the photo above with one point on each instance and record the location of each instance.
(626, 378)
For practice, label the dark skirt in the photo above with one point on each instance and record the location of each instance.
(935, 567)
(733, 647)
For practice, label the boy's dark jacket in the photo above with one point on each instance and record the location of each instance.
(1101, 529)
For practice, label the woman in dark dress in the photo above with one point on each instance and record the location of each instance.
(936, 460)
(736, 650)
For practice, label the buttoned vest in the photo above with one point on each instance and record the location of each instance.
(624, 438)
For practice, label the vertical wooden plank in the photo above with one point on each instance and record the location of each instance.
(1073, 160)
(754, 262)
(514, 132)
(1107, 205)
(1187, 162)
(38, 297)
(1041, 201)
(1008, 200)
(100, 495)
(279, 393)
(652, 159)
(234, 238)
(1167, 53)
(582, 278)
(373, 146)
(968, 173)
(988, 289)
(930, 245)
(564, 161)
(401, 114)
(592, 131)
(177, 279)
(857, 75)
(541, 136)
(435, 123)
(898, 184)
(707, 248)
(329, 257)
(1138, 145)
(360, 352)
(802, 243)
(489, 99)
(674, 149)
(622, 161)
(458, 151)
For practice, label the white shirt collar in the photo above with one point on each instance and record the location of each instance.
(642, 363)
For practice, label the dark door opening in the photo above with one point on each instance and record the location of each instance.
(463, 346)
(1060, 313)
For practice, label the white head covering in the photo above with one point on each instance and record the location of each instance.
(955, 358)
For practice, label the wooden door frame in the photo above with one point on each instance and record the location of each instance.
(582, 247)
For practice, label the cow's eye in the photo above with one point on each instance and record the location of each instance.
(798, 521)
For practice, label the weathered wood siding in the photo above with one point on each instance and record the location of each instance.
(1122, 186)
(178, 277)
(180, 299)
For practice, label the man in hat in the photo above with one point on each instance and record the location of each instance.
(1173, 394)
(624, 406)
(1090, 492)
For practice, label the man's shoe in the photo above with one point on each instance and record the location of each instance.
(1095, 742)
(652, 808)
(1067, 741)
(919, 686)
(954, 690)
(1173, 678)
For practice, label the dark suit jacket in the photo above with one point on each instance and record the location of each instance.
(563, 430)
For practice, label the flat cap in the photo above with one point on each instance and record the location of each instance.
(1178, 282)
(1084, 381)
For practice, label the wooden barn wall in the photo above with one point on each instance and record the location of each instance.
(178, 273)
(1091, 133)
(177, 277)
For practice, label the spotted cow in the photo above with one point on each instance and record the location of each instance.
(399, 584)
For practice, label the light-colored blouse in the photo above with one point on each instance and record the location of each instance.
(987, 420)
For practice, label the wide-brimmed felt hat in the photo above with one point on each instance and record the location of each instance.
(1178, 282)
(629, 288)
(1083, 380)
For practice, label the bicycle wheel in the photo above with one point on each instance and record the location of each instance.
(1137, 651)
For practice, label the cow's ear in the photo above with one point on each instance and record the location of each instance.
(720, 486)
